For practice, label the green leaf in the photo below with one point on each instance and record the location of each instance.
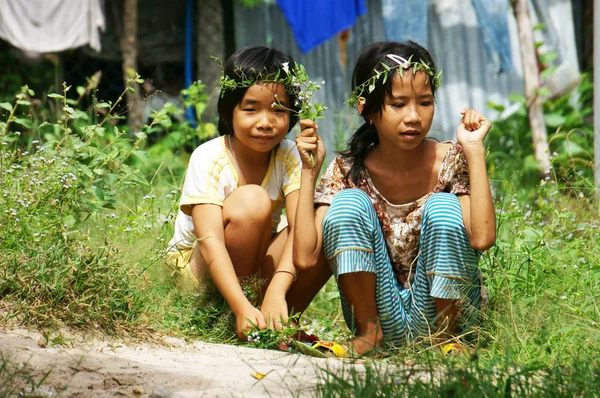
(6, 105)
(548, 57)
(80, 90)
(54, 95)
(24, 122)
(572, 149)
(554, 120)
(102, 105)
(86, 170)
(546, 73)
(543, 91)
(530, 164)
(23, 102)
(69, 221)
(142, 155)
(497, 107)
(517, 98)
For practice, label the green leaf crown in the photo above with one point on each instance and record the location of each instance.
(293, 78)
(382, 74)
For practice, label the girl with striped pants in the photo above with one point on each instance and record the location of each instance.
(399, 218)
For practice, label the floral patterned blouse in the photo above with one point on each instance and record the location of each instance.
(400, 223)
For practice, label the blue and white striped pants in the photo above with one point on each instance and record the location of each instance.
(446, 264)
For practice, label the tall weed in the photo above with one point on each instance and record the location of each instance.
(56, 180)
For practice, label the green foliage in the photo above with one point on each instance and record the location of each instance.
(173, 142)
(462, 378)
(54, 270)
(570, 138)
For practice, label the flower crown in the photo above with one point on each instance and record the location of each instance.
(403, 64)
(294, 79)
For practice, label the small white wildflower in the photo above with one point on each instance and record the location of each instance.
(563, 297)
(286, 67)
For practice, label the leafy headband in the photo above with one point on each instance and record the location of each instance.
(294, 79)
(403, 64)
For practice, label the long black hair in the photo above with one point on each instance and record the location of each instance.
(250, 64)
(369, 60)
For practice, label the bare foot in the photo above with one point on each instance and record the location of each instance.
(368, 343)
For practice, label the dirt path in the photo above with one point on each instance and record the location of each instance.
(176, 369)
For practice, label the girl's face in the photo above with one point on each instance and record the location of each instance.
(407, 113)
(257, 123)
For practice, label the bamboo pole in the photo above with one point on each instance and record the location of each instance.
(531, 79)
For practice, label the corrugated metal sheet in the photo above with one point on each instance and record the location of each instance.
(455, 41)
(266, 25)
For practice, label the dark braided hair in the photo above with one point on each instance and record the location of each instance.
(370, 59)
(251, 63)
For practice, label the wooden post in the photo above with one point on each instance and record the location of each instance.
(211, 42)
(597, 96)
(129, 64)
(531, 79)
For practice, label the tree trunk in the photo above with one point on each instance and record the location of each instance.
(211, 42)
(129, 64)
(532, 84)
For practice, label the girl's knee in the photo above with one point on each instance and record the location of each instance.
(249, 203)
(443, 210)
(348, 205)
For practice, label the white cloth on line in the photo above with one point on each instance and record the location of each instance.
(44, 26)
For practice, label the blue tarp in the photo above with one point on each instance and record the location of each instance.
(316, 21)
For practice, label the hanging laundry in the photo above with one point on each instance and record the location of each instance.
(406, 20)
(316, 21)
(409, 20)
(492, 17)
(43, 26)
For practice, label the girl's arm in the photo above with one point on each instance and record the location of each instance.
(274, 306)
(308, 238)
(208, 224)
(478, 207)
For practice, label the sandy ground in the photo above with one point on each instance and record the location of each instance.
(174, 369)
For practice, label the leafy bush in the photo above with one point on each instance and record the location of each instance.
(570, 138)
(53, 268)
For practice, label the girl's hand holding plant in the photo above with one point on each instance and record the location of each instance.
(274, 310)
(310, 145)
(247, 319)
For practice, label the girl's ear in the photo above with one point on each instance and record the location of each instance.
(361, 104)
